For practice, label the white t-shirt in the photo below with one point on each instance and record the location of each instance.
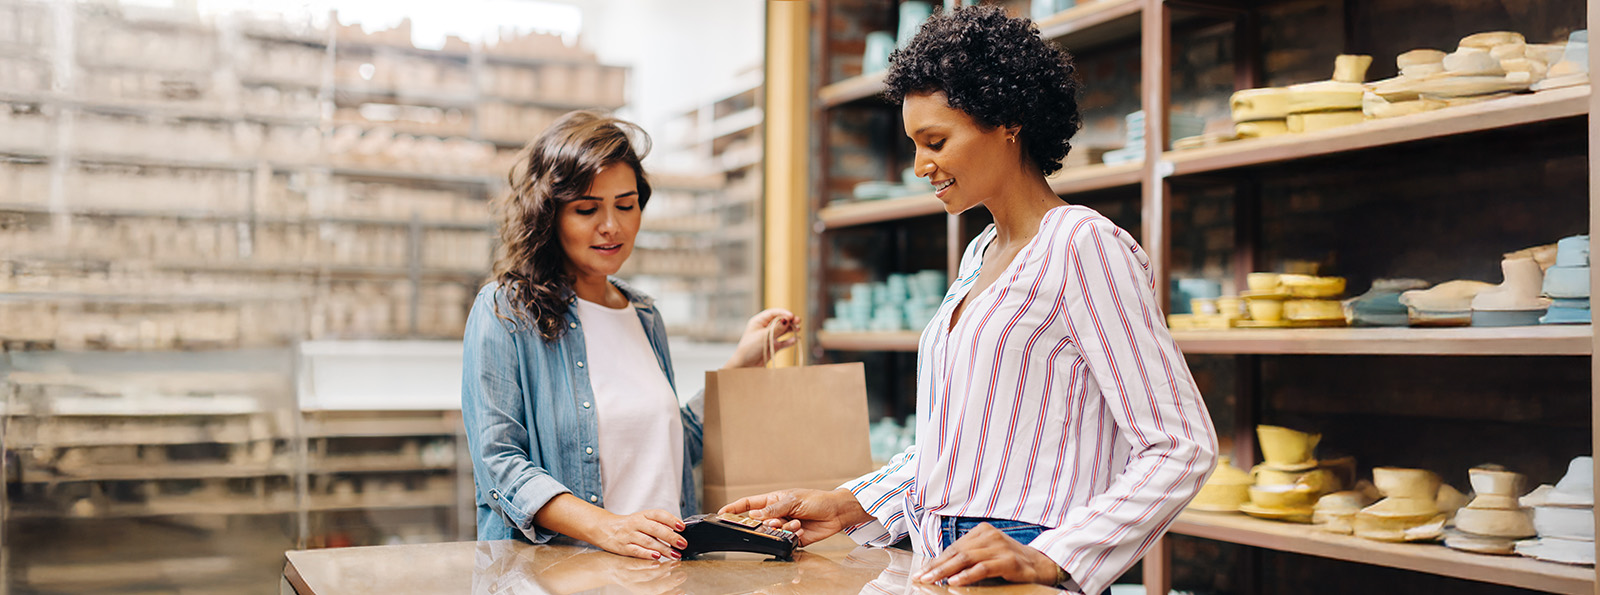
(641, 433)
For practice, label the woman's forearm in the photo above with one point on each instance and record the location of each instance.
(568, 515)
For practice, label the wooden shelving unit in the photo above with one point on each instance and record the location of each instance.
(1525, 573)
(1154, 23)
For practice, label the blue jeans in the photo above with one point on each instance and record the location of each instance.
(952, 528)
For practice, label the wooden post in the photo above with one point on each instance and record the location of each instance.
(1158, 568)
(787, 214)
(1156, 46)
(1594, 224)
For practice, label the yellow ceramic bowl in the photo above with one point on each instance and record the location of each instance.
(1514, 524)
(1311, 286)
(1285, 448)
(1267, 282)
(1270, 103)
(1310, 309)
(1220, 497)
(1396, 482)
(1282, 496)
(1264, 308)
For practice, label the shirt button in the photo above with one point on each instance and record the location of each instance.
(585, 404)
(573, 324)
(594, 498)
(580, 364)
(494, 496)
(589, 450)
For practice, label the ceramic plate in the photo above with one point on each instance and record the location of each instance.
(1293, 515)
(1467, 542)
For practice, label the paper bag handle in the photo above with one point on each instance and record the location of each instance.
(770, 346)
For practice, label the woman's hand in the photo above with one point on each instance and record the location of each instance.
(650, 534)
(987, 552)
(812, 515)
(752, 349)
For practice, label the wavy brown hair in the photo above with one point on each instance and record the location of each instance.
(555, 169)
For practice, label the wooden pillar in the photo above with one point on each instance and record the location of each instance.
(787, 216)
(1155, 47)
(1594, 224)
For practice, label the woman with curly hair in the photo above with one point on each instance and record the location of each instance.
(1059, 430)
(567, 388)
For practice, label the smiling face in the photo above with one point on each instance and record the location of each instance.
(597, 229)
(967, 162)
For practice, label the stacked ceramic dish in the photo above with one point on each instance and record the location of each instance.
(1415, 506)
(1259, 113)
(1278, 300)
(1483, 66)
(1563, 516)
(1226, 490)
(1329, 104)
(1380, 305)
(1573, 67)
(1179, 126)
(1495, 520)
(1290, 479)
(902, 302)
(1336, 512)
(1567, 283)
(1445, 304)
(1516, 301)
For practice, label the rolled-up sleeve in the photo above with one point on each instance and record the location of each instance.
(886, 495)
(1114, 319)
(495, 410)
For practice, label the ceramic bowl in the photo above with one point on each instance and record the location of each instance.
(1407, 509)
(1311, 286)
(1495, 482)
(1313, 309)
(1220, 497)
(1567, 551)
(1334, 521)
(1230, 306)
(1349, 501)
(1282, 496)
(1479, 544)
(1397, 529)
(1318, 480)
(1264, 308)
(1396, 482)
(1203, 305)
(1579, 478)
(1270, 103)
(1564, 523)
(1285, 448)
(1514, 524)
(1265, 282)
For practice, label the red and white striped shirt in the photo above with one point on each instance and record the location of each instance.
(1058, 399)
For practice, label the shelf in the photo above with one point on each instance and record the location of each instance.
(869, 341)
(145, 471)
(1499, 113)
(876, 211)
(1515, 571)
(852, 89)
(414, 176)
(1096, 177)
(165, 507)
(1515, 340)
(448, 425)
(1093, 24)
(374, 464)
(430, 498)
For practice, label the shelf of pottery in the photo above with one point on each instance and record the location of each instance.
(1298, 198)
(1398, 517)
(262, 170)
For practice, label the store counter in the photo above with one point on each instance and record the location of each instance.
(512, 567)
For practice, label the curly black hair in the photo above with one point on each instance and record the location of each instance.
(999, 71)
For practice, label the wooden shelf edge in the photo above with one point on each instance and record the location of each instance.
(869, 341)
(1498, 113)
(876, 211)
(1084, 24)
(851, 89)
(1429, 558)
(1096, 177)
(1527, 340)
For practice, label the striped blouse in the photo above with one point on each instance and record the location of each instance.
(1058, 399)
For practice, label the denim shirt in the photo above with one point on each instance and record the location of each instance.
(528, 407)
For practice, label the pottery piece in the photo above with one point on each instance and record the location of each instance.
(1572, 251)
(1565, 551)
(1397, 529)
(1489, 39)
(1503, 318)
(1559, 315)
(1231, 307)
(1318, 480)
(1397, 482)
(1290, 515)
(1449, 500)
(1450, 296)
(1265, 282)
(1304, 309)
(1203, 305)
(1479, 544)
(1250, 105)
(1509, 51)
(1265, 308)
(1472, 61)
(1422, 70)
(1319, 121)
(1514, 524)
(1451, 85)
(1225, 490)
(1340, 522)
(1579, 478)
(1261, 128)
(879, 45)
(1312, 286)
(1418, 57)
(1535, 69)
(1282, 496)
(1520, 290)
(1548, 495)
(1494, 502)
(1495, 482)
(912, 15)
(1322, 96)
(1567, 282)
(1335, 513)
(1375, 106)
(1287, 449)
(1351, 68)
(1564, 522)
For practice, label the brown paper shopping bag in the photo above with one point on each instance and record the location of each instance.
(774, 428)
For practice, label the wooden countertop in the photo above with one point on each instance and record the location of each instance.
(832, 566)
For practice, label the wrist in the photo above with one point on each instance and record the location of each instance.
(849, 510)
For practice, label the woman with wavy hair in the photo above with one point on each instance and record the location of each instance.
(1059, 430)
(574, 425)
